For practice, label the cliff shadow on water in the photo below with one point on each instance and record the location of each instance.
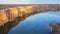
(34, 10)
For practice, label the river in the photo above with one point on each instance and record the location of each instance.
(37, 23)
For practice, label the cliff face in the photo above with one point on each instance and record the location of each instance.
(3, 17)
(12, 11)
(10, 15)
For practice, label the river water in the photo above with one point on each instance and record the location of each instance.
(37, 24)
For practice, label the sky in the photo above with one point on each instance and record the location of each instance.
(29, 1)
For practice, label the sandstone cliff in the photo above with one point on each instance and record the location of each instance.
(10, 15)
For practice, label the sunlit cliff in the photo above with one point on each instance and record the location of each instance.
(11, 15)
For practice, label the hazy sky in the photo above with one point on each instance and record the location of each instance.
(29, 1)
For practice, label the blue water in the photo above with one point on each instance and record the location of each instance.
(36, 24)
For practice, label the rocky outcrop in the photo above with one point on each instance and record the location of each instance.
(10, 16)
(3, 17)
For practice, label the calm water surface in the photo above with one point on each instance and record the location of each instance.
(36, 24)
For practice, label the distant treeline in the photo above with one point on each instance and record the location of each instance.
(40, 6)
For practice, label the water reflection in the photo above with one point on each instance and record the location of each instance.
(36, 24)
